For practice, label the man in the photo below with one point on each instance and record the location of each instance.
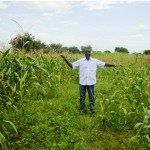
(87, 77)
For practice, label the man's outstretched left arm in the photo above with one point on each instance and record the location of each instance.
(112, 65)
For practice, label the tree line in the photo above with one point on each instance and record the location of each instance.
(28, 43)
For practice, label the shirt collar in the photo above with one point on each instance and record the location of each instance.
(89, 59)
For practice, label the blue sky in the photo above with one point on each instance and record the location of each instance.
(103, 24)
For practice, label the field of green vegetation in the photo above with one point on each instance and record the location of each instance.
(39, 104)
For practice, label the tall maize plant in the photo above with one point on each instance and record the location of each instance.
(25, 77)
(22, 78)
(128, 104)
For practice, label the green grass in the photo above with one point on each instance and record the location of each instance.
(57, 124)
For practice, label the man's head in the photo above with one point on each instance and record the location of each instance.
(87, 53)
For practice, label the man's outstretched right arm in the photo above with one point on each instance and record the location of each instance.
(68, 63)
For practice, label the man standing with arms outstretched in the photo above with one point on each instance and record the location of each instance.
(87, 77)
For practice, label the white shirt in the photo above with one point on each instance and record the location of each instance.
(87, 70)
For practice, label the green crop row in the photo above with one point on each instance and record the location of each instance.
(122, 98)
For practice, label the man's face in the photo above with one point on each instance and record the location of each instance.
(87, 54)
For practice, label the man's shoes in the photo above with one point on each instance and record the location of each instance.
(92, 114)
(83, 112)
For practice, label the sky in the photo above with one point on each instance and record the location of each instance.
(102, 24)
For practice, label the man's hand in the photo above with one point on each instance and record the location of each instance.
(112, 65)
(118, 66)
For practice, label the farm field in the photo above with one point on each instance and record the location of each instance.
(39, 104)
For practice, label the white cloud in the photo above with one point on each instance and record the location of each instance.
(106, 4)
(133, 1)
(2, 31)
(144, 27)
(3, 5)
(50, 5)
(101, 4)
(136, 35)
(63, 5)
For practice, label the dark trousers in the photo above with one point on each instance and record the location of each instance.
(90, 89)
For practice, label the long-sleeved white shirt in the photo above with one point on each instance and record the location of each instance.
(87, 70)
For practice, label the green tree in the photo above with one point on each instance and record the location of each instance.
(74, 49)
(27, 42)
(64, 49)
(121, 50)
(83, 48)
(146, 52)
(23, 41)
(107, 51)
(56, 47)
(38, 44)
